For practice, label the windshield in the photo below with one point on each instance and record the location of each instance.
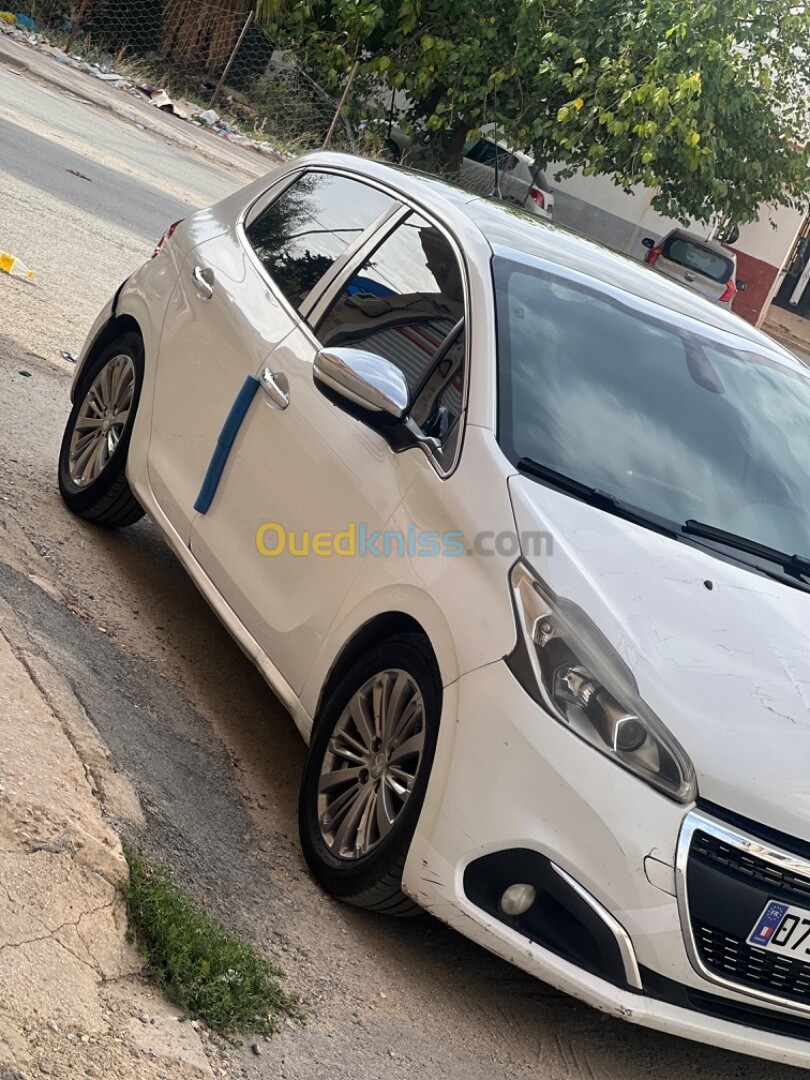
(673, 421)
(695, 257)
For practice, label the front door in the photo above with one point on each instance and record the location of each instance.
(311, 490)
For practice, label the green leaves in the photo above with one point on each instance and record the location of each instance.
(704, 100)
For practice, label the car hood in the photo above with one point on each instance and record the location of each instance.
(721, 654)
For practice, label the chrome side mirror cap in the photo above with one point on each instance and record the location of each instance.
(364, 380)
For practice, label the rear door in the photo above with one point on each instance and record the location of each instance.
(226, 316)
(696, 265)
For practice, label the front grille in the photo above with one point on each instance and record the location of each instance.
(728, 886)
(784, 882)
(733, 959)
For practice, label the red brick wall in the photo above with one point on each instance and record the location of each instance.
(759, 277)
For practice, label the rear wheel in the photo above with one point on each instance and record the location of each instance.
(366, 775)
(92, 460)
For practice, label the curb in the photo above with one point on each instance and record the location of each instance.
(799, 347)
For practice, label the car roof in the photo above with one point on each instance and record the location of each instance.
(510, 229)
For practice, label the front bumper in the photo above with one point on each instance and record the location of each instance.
(511, 788)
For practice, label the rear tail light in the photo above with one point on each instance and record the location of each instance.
(166, 236)
(653, 256)
(728, 295)
(538, 196)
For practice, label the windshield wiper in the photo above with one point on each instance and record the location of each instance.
(796, 565)
(602, 500)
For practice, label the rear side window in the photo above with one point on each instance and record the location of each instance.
(309, 226)
(698, 258)
(484, 153)
(406, 304)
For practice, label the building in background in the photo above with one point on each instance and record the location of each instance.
(773, 253)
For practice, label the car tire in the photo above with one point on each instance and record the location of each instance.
(93, 456)
(356, 848)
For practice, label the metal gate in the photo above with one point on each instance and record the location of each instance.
(794, 292)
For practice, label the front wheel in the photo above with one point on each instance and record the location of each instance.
(366, 775)
(93, 457)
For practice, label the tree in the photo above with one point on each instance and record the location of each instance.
(706, 102)
(202, 35)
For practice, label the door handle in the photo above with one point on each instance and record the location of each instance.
(276, 387)
(201, 283)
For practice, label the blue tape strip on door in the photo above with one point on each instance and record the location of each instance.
(225, 441)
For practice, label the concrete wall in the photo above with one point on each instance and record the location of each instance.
(599, 208)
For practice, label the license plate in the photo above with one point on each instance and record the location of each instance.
(784, 929)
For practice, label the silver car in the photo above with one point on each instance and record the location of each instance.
(518, 179)
(703, 265)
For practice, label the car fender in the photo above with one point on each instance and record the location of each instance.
(100, 324)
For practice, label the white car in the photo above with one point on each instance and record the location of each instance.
(518, 533)
(517, 178)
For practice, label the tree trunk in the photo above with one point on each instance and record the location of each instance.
(454, 144)
(200, 35)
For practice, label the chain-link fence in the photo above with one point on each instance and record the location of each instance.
(212, 61)
(212, 53)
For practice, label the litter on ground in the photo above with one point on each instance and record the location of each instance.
(14, 267)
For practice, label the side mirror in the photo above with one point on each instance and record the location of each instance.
(741, 286)
(366, 385)
(648, 242)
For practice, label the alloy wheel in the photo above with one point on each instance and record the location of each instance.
(371, 764)
(102, 420)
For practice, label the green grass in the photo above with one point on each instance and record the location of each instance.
(202, 967)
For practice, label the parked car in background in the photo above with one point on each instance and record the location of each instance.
(518, 532)
(703, 265)
(518, 179)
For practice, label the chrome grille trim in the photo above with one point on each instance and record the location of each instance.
(784, 861)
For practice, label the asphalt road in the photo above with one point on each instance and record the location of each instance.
(215, 759)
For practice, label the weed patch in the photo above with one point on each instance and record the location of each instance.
(202, 967)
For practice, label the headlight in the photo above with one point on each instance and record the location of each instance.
(567, 664)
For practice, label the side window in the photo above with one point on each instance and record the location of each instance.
(301, 233)
(406, 304)
(484, 152)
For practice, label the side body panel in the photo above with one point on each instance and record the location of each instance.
(209, 346)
